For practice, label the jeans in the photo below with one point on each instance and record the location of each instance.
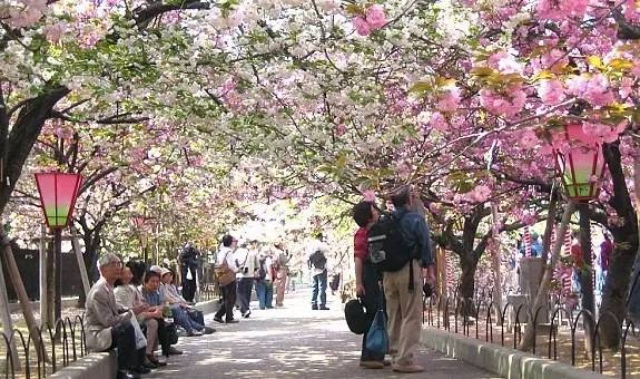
(371, 301)
(320, 286)
(228, 301)
(245, 285)
(264, 290)
(183, 320)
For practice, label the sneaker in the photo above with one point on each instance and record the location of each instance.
(194, 333)
(232, 321)
(314, 307)
(323, 308)
(372, 365)
(218, 319)
(408, 369)
(246, 314)
(387, 362)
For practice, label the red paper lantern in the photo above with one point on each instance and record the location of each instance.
(579, 162)
(58, 193)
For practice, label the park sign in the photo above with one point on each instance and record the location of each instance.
(58, 193)
(579, 162)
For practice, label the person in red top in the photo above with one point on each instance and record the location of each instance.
(368, 289)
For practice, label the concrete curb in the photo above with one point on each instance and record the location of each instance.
(105, 365)
(94, 366)
(508, 363)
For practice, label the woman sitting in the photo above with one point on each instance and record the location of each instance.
(127, 295)
(179, 304)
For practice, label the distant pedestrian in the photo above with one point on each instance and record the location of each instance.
(317, 252)
(226, 256)
(189, 271)
(281, 268)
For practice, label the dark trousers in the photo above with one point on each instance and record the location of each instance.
(123, 338)
(371, 301)
(228, 301)
(245, 286)
(320, 287)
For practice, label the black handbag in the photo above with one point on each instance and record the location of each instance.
(172, 333)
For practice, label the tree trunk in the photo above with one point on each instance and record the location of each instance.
(92, 243)
(466, 290)
(543, 290)
(625, 249)
(586, 277)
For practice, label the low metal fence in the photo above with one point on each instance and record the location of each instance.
(24, 355)
(482, 319)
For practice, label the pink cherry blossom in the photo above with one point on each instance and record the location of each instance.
(369, 195)
(375, 17)
(450, 100)
(362, 27)
(551, 91)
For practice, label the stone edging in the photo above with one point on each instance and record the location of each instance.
(508, 363)
(104, 365)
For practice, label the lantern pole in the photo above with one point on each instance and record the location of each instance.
(57, 245)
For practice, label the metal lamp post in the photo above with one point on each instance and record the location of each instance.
(580, 164)
(58, 193)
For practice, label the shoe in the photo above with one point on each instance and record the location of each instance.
(155, 361)
(246, 314)
(372, 365)
(218, 319)
(174, 351)
(194, 333)
(149, 364)
(208, 330)
(408, 369)
(126, 374)
(387, 362)
(141, 370)
(323, 308)
(314, 307)
(232, 321)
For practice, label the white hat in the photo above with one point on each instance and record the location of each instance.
(156, 268)
(165, 271)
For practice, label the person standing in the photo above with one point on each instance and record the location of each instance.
(281, 260)
(264, 284)
(226, 255)
(367, 277)
(189, 271)
(606, 249)
(317, 252)
(247, 265)
(402, 288)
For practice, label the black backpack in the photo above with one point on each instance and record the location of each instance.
(387, 248)
(318, 260)
(262, 271)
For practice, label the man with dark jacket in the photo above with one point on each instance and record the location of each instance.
(188, 271)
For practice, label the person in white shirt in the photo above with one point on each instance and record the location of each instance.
(317, 252)
(247, 266)
(226, 254)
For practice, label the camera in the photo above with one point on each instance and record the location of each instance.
(377, 254)
(245, 270)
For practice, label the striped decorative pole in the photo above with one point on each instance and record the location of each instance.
(527, 242)
(567, 242)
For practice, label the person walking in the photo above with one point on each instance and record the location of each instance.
(317, 252)
(403, 288)
(247, 265)
(226, 254)
(281, 260)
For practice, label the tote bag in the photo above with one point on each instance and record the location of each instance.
(377, 337)
(224, 274)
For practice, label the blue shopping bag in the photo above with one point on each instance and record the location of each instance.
(377, 337)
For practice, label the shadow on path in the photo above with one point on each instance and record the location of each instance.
(293, 342)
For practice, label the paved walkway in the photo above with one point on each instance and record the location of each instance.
(289, 343)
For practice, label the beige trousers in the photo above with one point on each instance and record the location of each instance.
(281, 286)
(152, 334)
(404, 309)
